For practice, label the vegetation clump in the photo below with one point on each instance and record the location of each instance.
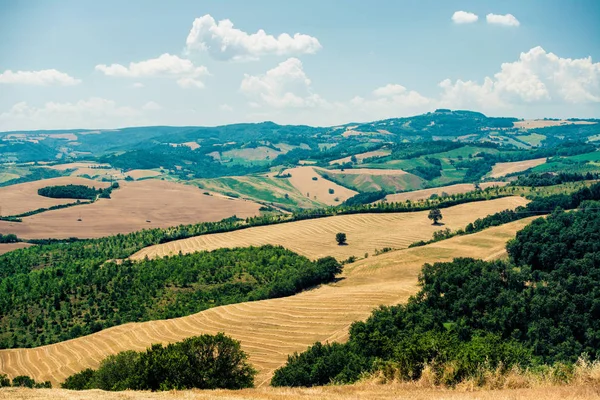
(472, 317)
(59, 303)
(200, 362)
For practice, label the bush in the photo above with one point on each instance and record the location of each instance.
(201, 362)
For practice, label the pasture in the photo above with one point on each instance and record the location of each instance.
(372, 180)
(361, 156)
(269, 330)
(134, 206)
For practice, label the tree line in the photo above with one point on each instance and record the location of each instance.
(72, 300)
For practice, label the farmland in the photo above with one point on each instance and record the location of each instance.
(360, 157)
(317, 189)
(135, 206)
(502, 169)
(427, 193)
(540, 123)
(315, 238)
(372, 180)
(6, 247)
(23, 197)
(269, 330)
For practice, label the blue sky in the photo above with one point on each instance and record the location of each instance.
(90, 64)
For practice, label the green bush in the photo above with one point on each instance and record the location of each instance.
(201, 362)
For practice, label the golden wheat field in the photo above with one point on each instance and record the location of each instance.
(134, 206)
(142, 173)
(316, 237)
(23, 197)
(540, 123)
(6, 247)
(501, 169)
(348, 392)
(318, 190)
(450, 189)
(269, 330)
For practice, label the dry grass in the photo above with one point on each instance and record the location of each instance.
(142, 173)
(451, 189)
(77, 165)
(269, 330)
(360, 157)
(540, 123)
(348, 392)
(161, 203)
(316, 237)
(6, 247)
(23, 197)
(502, 169)
(317, 190)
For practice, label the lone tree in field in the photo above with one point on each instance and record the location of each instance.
(435, 215)
(340, 238)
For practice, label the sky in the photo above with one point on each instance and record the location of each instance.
(107, 64)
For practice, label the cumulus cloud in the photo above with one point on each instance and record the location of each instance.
(499, 19)
(166, 65)
(94, 112)
(224, 42)
(44, 77)
(464, 17)
(284, 86)
(536, 77)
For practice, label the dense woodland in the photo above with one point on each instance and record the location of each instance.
(81, 192)
(58, 303)
(542, 307)
(201, 362)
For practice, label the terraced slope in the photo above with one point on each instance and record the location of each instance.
(269, 330)
(316, 238)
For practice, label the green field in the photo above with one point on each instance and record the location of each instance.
(259, 188)
(373, 183)
(534, 139)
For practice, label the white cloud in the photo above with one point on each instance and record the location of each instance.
(138, 85)
(537, 77)
(389, 90)
(44, 77)
(91, 113)
(225, 108)
(284, 86)
(166, 65)
(506, 20)
(187, 83)
(224, 42)
(464, 17)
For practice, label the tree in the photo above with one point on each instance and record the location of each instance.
(354, 159)
(435, 215)
(340, 238)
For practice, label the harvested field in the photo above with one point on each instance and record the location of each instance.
(316, 237)
(191, 145)
(302, 179)
(77, 165)
(363, 171)
(23, 197)
(269, 330)
(6, 247)
(451, 189)
(136, 205)
(360, 157)
(142, 173)
(93, 170)
(372, 180)
(540, 123)
(502, 169)
(354, 392)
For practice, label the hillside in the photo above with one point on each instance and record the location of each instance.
(269, 330)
